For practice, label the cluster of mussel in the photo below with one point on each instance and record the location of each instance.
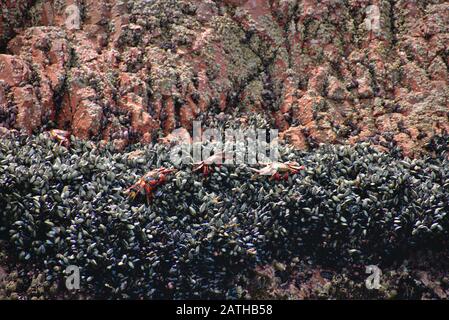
(201, 236)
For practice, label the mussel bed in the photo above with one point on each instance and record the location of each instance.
(201, 237)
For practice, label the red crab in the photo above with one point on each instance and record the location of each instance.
(206, 165)
(60, 135)
(149, 183)
(276, 169)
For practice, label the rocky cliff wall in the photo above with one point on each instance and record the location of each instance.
(323, 71)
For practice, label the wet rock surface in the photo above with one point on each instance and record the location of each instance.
(415, 278)
(336, 72)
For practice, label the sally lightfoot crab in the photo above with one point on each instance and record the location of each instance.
(278, 170)
(62, 136)
(149, 183)
(205, 166)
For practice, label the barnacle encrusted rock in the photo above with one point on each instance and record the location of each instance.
(336, 72)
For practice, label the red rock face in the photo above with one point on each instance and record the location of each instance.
(12, 17)
(327, 71)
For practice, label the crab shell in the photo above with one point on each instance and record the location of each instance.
(279, 167)
(59, 134)
(148, 182)
(156, 174)
(293, 166)
(213, 159)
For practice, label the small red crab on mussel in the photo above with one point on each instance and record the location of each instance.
(278, 170)
(62, 136)
(205, 166)
(149, 182)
